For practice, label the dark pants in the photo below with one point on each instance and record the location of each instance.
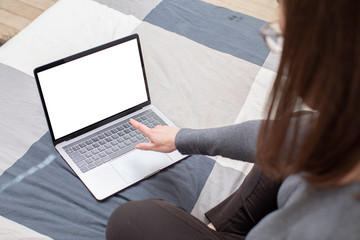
(233, 218)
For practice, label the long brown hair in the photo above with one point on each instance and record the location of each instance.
(320, 66)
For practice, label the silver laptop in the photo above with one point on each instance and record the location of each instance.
(88, 99)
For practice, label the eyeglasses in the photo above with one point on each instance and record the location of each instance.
(273, 37)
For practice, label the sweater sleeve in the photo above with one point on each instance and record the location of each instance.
(235, 141)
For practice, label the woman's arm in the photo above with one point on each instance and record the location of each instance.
(235, 141)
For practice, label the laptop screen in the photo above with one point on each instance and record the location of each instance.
(94, 87)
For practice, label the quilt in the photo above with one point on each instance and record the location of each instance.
(206, 65)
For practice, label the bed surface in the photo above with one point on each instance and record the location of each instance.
(206, 65)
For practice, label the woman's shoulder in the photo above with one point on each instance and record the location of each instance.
(309, 213)
(306, 212)
(295, 189)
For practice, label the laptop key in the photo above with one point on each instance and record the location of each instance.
(144, 140)
(79, 158)
(81, 164)
(89, 160)
(91, 166)
(74, 154)
(151, 114)
(89, 148)
(115, 136)
(109, 151)
(69, 150)
(122, 151)
(95, 145)
(102, 136)
(75, 148)
(82, 151)
(105, 159)
(139, 137)
(101, 149)
(84, 169)
(95, 151)
(116, 148)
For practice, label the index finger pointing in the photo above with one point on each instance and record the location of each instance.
(141, 127)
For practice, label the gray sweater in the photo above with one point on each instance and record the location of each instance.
(304, 212)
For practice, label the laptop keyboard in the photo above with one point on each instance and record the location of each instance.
(109, 143)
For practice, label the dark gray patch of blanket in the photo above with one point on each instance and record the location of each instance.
(54, 202)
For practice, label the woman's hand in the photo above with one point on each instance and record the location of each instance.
(162, 137)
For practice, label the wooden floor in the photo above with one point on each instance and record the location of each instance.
(266, 10)
(17, 14)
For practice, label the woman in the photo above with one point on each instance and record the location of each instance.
(306, 182)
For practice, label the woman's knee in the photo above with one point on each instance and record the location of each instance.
(128, 220)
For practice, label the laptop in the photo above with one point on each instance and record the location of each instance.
(88, 99)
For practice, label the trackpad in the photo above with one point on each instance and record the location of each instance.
(139, 164)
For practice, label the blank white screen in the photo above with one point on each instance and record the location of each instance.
(92, 88)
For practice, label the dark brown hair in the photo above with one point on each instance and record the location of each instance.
(320, 66)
